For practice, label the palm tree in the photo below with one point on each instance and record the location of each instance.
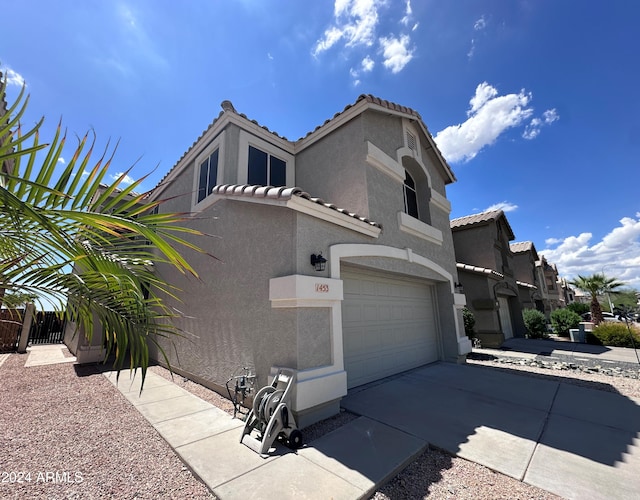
(595, 285)
(87, 244)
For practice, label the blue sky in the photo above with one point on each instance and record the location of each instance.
(533, 103)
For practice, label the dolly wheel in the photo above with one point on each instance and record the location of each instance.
(295, 439)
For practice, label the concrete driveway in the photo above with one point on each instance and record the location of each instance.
(573, 441)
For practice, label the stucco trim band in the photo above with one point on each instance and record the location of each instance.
(299, 290)
(418, 228)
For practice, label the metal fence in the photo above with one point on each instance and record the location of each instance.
(47, 328)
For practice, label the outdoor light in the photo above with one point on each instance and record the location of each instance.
(318, 261)
(459, 288)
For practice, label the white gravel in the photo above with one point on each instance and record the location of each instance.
(75, 436)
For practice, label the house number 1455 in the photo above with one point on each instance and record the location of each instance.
(322, 288)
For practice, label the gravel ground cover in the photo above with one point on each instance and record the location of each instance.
(68, 433)
(77, 437)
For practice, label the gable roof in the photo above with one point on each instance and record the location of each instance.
(482, 218)
(362, 103)
(524, 246)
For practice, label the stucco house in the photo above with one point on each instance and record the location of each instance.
(530, 289)
(334, 254)
(485, 265)
(553, 293)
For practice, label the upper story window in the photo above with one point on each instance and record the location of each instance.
(410, 196)
(208, 170)
(264, 163)
(265, 169)
(208, 176)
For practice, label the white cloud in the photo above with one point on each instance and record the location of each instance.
(127, 178)
(618, 252)
(408, 14)
(480, 24)
(505, 206)
(489, 116)
(367, 64)
(14, 78)
(532, 130)
(356, 24)
(396, 52)
(62, 160)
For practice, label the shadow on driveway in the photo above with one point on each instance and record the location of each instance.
(558, 436)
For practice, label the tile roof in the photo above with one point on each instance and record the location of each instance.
(227, 107)
(521, 246)
(526, 285)
(479, 270)
(282, 193)
(481, 218)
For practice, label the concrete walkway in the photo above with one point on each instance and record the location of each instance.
(565, 351)
(348, 463)
(47, 354)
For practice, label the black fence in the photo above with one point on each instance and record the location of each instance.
(47, 328)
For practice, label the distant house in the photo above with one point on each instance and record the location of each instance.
(364, 191)
(486, 270)
(530, 288)
(553, 295)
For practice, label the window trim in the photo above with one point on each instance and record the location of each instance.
(217, 143)
(246, 139)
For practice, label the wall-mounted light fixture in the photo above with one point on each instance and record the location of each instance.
(318, 261)
(458, 287)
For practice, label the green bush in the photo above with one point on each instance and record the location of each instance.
(536, 323)
(469, 322)
(579, 308)
(616, 335)
(562, 320)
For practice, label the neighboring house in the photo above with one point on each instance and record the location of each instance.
(548, 274)
(525, 257)
(567, 294)
(486, 270)
(370, 199)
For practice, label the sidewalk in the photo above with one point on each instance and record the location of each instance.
(567, 351)
(347, 463)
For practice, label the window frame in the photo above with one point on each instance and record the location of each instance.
(245, 140)
(408, 189)
(216, 144)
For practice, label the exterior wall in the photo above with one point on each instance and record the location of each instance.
(333, 169)
(475, 245)
(221, 336)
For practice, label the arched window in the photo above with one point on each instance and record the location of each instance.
(410, 196)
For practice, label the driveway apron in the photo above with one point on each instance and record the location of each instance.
(573, 441)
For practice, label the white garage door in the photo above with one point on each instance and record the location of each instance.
(388, 325)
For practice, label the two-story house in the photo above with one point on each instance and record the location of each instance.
(548, 273)
(486, 270)
(334, 254)
(525, 257)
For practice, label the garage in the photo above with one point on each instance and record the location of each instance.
(388, 325)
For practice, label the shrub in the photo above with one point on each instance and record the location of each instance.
(562, 320)
(536, 323)
(469, 322)
(579, 308)
(616, 335)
